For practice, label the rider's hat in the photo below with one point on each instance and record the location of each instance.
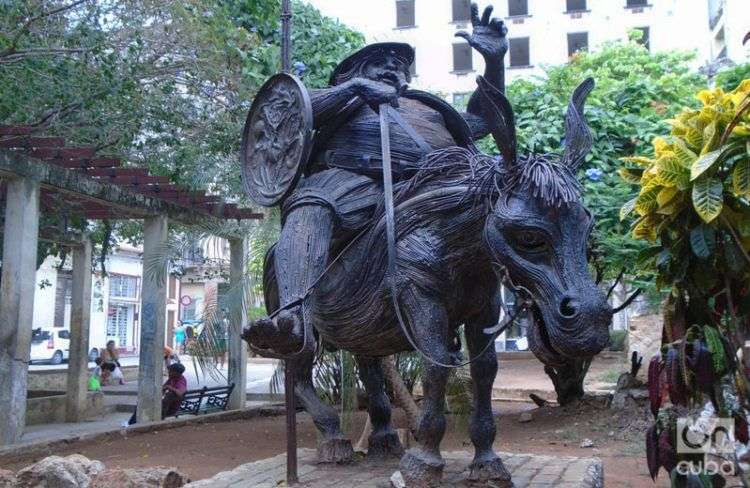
(345, 70)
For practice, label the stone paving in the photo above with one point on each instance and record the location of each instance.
(528, 471)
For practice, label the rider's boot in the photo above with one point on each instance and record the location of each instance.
(300, 258)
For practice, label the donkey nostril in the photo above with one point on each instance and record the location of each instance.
(568, 307)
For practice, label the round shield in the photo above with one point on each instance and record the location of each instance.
(276, 140)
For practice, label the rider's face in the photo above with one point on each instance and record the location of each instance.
(387, 69)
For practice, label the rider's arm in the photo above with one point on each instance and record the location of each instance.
(328, 103)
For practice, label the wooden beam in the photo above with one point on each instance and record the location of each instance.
(73, 184)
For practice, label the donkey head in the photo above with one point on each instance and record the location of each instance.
(538, 231)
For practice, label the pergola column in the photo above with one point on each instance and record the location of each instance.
(153, 319)
(17, 286)
(237, 350)
(80, 320)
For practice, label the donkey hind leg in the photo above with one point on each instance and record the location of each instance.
(422, 466)
(383, 440)
(487, 466)
(334, 447)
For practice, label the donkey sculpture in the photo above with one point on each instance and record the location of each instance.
(464, 223)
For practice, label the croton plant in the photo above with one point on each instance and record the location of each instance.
(693, 205)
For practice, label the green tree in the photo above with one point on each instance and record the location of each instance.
(635, 91)
(165, 83)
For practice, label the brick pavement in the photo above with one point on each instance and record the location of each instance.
(528, 471)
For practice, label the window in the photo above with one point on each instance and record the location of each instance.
(577, 41)
(173, 287)
(575, 5)
(645, 40)
(462, 57)
(461, 10)
(121, 286)
(637, 3)
(518, 7)
(519, 51)
(63, 334)
(461, 100)
(405, 13)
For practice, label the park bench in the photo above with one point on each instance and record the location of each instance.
(205, 400)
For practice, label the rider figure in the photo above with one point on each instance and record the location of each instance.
(341, 188)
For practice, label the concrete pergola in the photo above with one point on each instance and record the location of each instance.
(38, 174)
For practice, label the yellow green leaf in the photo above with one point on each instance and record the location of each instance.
(672, 173)
(711, 136)
(704, 163)
(708, 198)
(631, 175)
(741, 178)
(645, 228)
(640, 160)
(646, 201)
(694, 138)
(627, 209)
(684, 154)
(666, 195)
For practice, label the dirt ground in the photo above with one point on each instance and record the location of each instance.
(204, 450)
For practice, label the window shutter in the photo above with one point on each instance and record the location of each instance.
(405, 13)
(576, 5)
(519, 51)
(577, 41)
(462, 57)
(461, 10)
(518, 7)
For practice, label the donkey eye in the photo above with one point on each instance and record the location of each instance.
(530, 240)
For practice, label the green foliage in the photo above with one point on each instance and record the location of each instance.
(617, 340)
(707, 215)
(635, 91)
(167, 84)
(730, 78)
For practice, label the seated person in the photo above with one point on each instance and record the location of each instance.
(103, 371)
(172, 392)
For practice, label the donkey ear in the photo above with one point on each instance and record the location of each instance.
(498, 114)
(578, 139)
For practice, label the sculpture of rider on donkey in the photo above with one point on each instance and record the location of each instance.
(346, 275)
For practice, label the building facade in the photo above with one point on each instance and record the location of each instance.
(542, 32)
(115, 299)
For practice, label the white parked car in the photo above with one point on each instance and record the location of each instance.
(50, 345)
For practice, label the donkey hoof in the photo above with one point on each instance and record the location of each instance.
(336, 450)
(490, 470)
(421, 469)
(384, 444)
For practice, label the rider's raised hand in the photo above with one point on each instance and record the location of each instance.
(488, 34)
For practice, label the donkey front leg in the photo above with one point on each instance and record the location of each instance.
(487, 466)
(422, 466)
(383, 440)
(334, 447)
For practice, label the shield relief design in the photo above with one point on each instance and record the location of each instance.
(276, 140)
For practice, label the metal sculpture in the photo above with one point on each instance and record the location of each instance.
(346, 274)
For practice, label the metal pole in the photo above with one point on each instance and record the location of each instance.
(286, 35)
(291, 409)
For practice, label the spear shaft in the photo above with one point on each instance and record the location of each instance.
(286, 35)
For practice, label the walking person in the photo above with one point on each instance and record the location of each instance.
(179, 338)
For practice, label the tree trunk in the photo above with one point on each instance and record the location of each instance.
(401, 394)
(568, 380)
